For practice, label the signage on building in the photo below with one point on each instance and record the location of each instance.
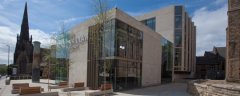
(78, 41)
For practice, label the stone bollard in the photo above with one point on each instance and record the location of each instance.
(36, 62)
(7, 81)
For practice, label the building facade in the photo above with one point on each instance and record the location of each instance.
(23, 55)
(233, 42)
(123, 49)
(174, 24)
(131, 52)
(212, 64)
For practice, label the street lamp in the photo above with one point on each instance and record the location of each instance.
(8, 59)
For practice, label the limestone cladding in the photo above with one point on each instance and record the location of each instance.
(152, 50)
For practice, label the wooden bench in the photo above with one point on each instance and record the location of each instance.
(76, 87)
(64, 83)
(43, 94)
(60, 85)
(29, 90)
(79, 84)
(104, 89)
(16, 87)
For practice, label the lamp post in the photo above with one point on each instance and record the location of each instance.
(8, 59)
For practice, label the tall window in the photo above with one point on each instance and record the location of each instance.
(178, 10)
(178, 21)
(150, 23)
(178, 36)
(178, 39)
(119, 48)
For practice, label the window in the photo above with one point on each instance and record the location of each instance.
(119, 49)
(178, 21)
(178, 39)
(178, 10)
(150, 23)
(178, 57)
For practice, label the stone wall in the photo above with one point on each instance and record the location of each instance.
(233, 43)
(199, 88)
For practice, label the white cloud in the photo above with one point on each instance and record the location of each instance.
(73, 19)
(211, 28)
(218, 2)
(6, 22)
(39, 35)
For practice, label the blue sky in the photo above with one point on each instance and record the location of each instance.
(46, 16)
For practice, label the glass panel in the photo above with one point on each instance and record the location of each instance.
(178, 10)
(150, 23)
(123, 44)
(178, 21)
(178, 57)
(178, 39)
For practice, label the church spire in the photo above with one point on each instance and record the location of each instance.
(24, 27)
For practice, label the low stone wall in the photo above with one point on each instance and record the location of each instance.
(196, 89)
(206, 88)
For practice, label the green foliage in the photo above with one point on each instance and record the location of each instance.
(3, 69)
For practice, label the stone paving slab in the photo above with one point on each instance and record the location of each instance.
(172, 89)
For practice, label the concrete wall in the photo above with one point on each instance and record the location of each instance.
(79, 50)
(152, 50)
(78, 53)
(164, 21)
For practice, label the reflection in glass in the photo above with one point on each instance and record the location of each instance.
(178, 21)
(117, 53)
(178, 39)
(178, 10)
(150, 23)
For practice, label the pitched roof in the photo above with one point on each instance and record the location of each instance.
(221, 51)
(210, 59)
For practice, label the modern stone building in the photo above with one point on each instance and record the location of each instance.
(233, 42)
(23, 55)
(131, 52)
(174, 24)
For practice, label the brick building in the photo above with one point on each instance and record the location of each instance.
(212, 64)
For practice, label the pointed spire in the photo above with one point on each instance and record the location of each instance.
(25, 28)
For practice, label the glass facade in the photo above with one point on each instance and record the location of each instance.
(178, 21)
(167, 58)
(150, 23)
(114, 55)
(178, 38)
(167, 51)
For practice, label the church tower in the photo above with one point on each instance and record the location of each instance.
(233, 42)
(23, 54)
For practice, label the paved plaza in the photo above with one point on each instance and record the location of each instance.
(171, 89)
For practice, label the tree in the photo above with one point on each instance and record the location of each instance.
(3, 69)
(102, 21)
(62, 52)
